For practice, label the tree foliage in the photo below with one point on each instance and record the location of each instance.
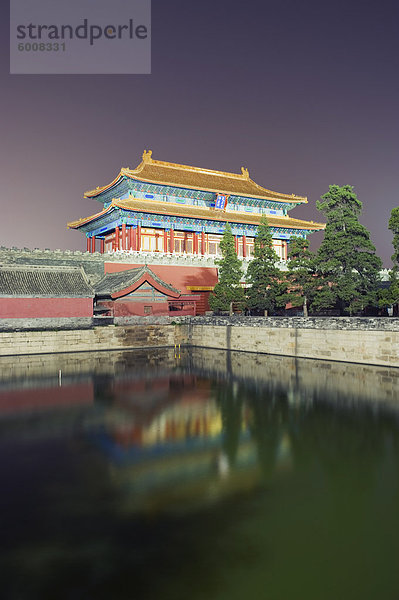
(393, 225)
(346, 258)
(390, 295)
(266, 283)
(228, 288)
(301, 280)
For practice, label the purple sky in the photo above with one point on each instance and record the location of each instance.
(304, 94)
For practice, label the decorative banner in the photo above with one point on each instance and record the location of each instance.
(221, 201)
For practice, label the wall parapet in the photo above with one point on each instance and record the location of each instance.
(46, 324)
(333, 323)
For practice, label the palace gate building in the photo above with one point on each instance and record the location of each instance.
(165, 209)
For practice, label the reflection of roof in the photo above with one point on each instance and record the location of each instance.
(32, 280)
(124, 282)
(208, 180)
(196, 212)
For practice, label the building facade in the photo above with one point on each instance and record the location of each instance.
(173, 217)
(162, 207)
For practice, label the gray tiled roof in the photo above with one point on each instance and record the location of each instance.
(116, 282)
(36, 281)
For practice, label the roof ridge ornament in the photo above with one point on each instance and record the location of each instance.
(245, 172)
(147, 154)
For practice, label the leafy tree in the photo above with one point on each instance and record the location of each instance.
(228, 288)
(301, 280)
(390, 296)
(346, 257)
(266, 282)
(393, 225)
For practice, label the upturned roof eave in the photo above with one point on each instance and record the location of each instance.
(84, 220)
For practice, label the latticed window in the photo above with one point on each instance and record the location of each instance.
(213, 244)
(179, 245)
(250, 247)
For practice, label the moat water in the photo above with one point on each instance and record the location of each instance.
(197, 475)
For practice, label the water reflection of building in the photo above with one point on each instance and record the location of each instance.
(182, 432)
(178, 409)
(47, 407)
(55, 395)
(165, 444)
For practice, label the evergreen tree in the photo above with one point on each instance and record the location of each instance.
(266, 282)
(393, 225)
(301, 280)
(346, 257)
(390, 296)
(228, 288)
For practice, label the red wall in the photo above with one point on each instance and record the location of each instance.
(126, 308)
(18, 308)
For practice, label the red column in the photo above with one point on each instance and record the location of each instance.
(195, 243)
(285, 251)
(130, 238)
(102, 246)
(244, 246)
(138, 238)
(236, 243)
(134, 238)
(165, 240)
(172, 240)
(116, 238)
(93, 244)
(202, 242)
(88, 244)
(123, 235)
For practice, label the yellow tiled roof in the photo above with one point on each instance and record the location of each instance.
(164, 173)
(195, 212)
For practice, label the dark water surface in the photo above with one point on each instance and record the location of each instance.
(200, 475)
